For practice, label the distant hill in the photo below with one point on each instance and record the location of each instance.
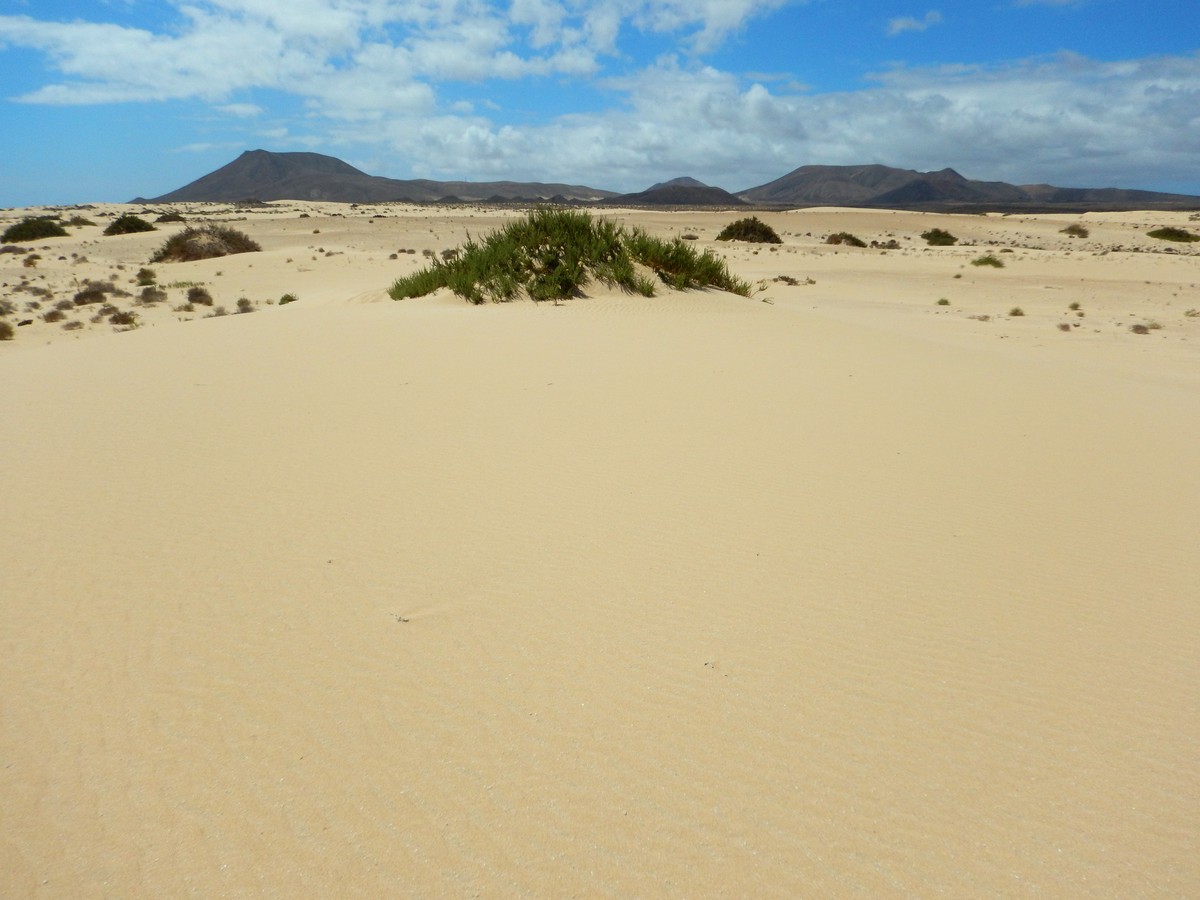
(264, 175)
(889, 188)
(678, 193)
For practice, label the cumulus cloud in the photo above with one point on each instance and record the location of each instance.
(908, 23)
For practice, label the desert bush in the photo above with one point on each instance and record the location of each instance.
(944, 301)
(123, 317)
(7, 332)
(1139, 329)
(90, 294)
(65, 304)
(288, 298)
(79, 222)
(73, 325)
(1076, 231)
(1064, 326)
(752, 230)
(206, 242)
(845, 237)
(988, 260)
(1173, 234)
(145, 277)
(152, 294)
(199, 296)
(169, 217)
(128, 224)
(939, 237)
(33, 228)
(244, 305)
(552, 253)
(1016, 311)
(54, 315)
(7, 307)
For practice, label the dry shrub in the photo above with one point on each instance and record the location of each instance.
(206, 242)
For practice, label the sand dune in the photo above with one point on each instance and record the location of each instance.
(841, 594)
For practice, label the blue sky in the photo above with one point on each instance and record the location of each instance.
(110, 99)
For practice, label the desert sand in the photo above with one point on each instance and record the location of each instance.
(835, 591)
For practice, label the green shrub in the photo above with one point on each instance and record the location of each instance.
(124, 318)
(845, 237)
(151, 294)
(1016, 311)
(206, 242)
(1076, 231)
(552, 253)
(1173, 234)
(54, 315)
(244, 305)
(288, 298)
(166, 218)
(33, 228)
(79, 222)
(751, 230)
(943, 302)
(988, 260)
(939, 237)
(128, 224)
(146, 277)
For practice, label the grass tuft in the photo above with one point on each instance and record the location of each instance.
(551, 254)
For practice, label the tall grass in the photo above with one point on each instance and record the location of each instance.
(551, 254)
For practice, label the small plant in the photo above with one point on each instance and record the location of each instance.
(151, 295)
(73, 325)
(145, 277)
(1193, 313)
(65, 305)
(90, 294)
(288, 298)
(845, 237)
(207, 242)
(128, 224)
(1075, 231)
(54, 315)
(244, 305)
(78, 222)
(125, 318)
(939, 237)
(1139, 329)
(33, 228)
(31, 261)
(944, 301)
(7, 332)
(1169, 233)
(752, 230)
(1016, 311)
(1073, 306)
(988, 260)
(199, 296)
(169, 217)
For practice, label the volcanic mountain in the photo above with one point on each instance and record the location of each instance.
(678, 192)
(890, 188)
(264, 175)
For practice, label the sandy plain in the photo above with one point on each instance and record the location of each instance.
(831, 591)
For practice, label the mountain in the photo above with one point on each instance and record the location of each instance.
(683, 181)
(679, 192)
(264, 175)
(887, 187)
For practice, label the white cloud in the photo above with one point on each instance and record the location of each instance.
(907, 23)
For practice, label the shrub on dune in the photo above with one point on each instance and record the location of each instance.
(939, 237)
(128, 224)
(206, 242)
(752, 229)
(552, 254)
(33, 228)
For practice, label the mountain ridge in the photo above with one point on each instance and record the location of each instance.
(267, 175)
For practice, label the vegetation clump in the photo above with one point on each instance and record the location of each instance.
(169, 217)
(206, 242)
(1075, 231)
(128, 224)
(199, 296)
(33, 228)
(939, 237)
(988, 260)
(552, 253)
(845, 237)
(1170, 233)
(7, 332)
(752, 230)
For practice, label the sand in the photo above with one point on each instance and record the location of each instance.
(832, 591)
